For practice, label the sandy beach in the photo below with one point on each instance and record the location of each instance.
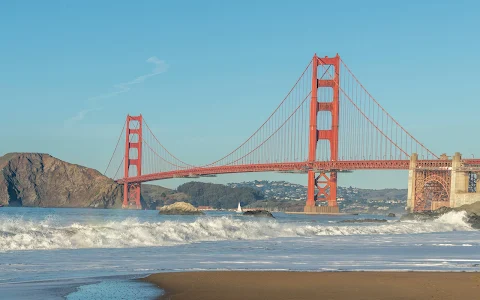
(321, 285)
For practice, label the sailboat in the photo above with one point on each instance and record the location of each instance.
(239, 208)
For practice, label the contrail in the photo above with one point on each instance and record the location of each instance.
(159, 67)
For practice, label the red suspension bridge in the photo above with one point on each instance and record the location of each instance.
(327, 123)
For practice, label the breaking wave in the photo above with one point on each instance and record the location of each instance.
(19, 234)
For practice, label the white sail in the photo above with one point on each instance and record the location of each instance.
(239, 208)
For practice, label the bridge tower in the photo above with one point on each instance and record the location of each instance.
(133, 162)
(325, 182)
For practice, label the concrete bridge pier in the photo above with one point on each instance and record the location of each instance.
(411, 182)
(430, 188)
(460, 193)
(459, 180)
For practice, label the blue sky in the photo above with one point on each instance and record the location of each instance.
(206, 75)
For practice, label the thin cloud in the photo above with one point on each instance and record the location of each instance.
(79, 116)
(159, 67)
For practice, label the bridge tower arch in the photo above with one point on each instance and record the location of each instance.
(132, 162)
(325, 182)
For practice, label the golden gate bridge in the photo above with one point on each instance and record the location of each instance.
(327, 123)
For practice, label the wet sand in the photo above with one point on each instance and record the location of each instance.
(318, 285)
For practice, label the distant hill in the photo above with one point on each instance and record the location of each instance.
(218, 195)
(284, 195)
(41, 180)
(154, 196)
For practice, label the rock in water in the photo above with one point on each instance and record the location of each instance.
(259, 213)
(391, 215)
(472, 214)
(426, 215)
(364, 221)
(474, 220)
(180, 208)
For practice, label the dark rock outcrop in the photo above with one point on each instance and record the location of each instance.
(259, 213)
(364, 221)
(180, 208)
(474, 220)
(426, 215)
(472, 214)
(35, 179)
(391, 215)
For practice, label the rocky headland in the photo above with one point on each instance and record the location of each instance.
(36, 179)
(41, 180)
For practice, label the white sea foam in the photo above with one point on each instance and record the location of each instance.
(19, 234)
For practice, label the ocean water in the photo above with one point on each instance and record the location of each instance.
(98, 254)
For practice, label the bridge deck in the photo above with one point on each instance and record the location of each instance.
(303, 167)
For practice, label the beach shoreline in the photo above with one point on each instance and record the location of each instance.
(317, 285)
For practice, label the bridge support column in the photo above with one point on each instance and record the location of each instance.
(477, 188)
(131, 195)
(310, 190)
(132, 162)
(325, 184)
(463, 185)
(428, 188)
(412, 182)
(459, 182)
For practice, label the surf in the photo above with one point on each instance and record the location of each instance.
(19, 234)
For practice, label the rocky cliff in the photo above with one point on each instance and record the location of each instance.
(35, 179)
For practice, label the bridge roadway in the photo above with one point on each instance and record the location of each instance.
(303, 167)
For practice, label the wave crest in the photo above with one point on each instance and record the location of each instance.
(18, 234)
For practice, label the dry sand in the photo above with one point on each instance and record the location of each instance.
(321, 285)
